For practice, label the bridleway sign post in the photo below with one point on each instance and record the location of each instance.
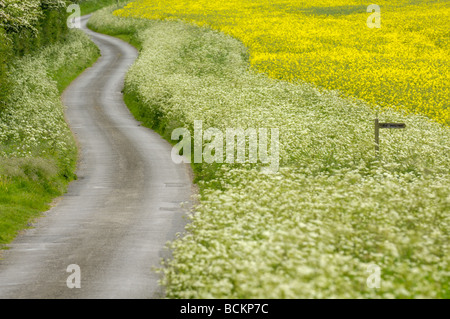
(379, 125)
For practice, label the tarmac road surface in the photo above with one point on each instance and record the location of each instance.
(116, 218)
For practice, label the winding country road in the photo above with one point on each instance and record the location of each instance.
(116, 218)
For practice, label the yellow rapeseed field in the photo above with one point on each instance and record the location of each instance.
(403, 64)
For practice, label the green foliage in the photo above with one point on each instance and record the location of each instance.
(5, 54)
(121, 28)
(17, 15)
(25, 26)
(32, 24)
(89, 6)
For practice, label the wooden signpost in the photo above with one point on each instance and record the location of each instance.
(379, 125)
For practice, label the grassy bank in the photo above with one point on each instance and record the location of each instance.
(37, 150)
(334, 208)
(89, 6)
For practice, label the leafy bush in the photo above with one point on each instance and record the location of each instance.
(33, 23)
(5, 53)
(25, 26)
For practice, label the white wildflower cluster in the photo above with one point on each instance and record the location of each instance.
(334, 207)
(19, 14)
(33, 124)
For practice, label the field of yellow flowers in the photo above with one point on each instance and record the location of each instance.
(404, 64)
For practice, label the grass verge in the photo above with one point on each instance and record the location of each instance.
(90, 6)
